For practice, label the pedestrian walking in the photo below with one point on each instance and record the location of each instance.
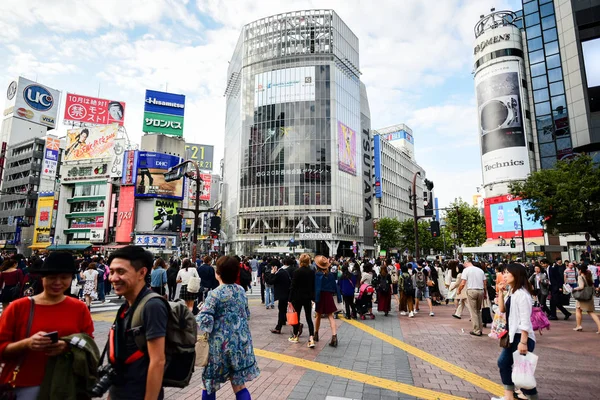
(585, 280)
(383, 285)
(208, 280)
(302, 294)
(407, 290)
(101, 268)
(422, 283)
(517, 306)
(158, 277)
(474, 282)
(172, 272)
(570, 275)
(140, 373)
(281, 281)
(184, 275)
(325, 287)
(557, 280)
(11, 282)
(347, 284)
(261, 278)
(31, 328)
(224, 317)
(90, 288)
(540, 283)
(460, 298)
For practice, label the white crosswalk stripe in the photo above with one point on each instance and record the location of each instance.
(112, 303)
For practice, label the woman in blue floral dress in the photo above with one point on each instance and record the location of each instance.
(224, 316)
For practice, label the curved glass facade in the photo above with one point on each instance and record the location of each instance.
(292, 168)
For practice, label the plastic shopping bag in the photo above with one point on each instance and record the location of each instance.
(523, 373)
(498, 325)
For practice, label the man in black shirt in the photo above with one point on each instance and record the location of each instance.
(281, 281)
(139, 371)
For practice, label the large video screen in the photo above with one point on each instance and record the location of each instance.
(504, 218)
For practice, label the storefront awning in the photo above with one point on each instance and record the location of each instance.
(39, 246)
(72, 247)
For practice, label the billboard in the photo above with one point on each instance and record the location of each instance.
(164, 211)
(118, 151)
(149, 177)
(163, 113)
(90, 142)
(43, 218)
(346, 149)
(504, 153)
(93, 111)
(204, 190)
(377, 165)
(125, 215)
(502, 219)
(201, 153)
(36, 103)
(129, 167)
(399, 135)
(50, 161)
(284, 86)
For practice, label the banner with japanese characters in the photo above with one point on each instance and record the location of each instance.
(90, 142)
(88, 111)
(163, 123)
(163, 113)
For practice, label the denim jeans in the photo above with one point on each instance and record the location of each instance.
(505, 364)
(101, 292)
(269, 296)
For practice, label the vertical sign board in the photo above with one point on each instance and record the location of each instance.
(125, 214)
(163, 113)
(377, 164)
(346, 149)
(118, 155)
(43, 218)
(129, 174)
(50, 161)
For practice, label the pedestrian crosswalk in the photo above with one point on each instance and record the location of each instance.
(111, 303)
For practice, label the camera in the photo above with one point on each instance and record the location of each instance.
(107, 375)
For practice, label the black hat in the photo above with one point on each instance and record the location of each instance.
(58, 262)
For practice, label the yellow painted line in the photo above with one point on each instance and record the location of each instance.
(357, 376)
(462, 373)
(107, 316)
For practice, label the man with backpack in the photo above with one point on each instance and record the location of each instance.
(421, 279)
(407, 290)
(146, 330)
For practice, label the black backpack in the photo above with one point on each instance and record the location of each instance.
(383, 286)
(245, 277)
(407, 285)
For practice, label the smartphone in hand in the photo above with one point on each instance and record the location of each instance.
(53, 336)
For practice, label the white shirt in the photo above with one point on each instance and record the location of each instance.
(594, 270)
(519, 319)
(474, 277)
(186, 275)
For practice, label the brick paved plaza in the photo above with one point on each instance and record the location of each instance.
(396, 357)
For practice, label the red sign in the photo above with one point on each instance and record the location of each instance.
(510, 230)
(206, 182)
(94, 111)
(129, 168)
(125, 217)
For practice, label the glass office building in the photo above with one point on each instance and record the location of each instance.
(293, 153)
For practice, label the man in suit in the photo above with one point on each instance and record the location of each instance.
(556, 289)
(281, 280)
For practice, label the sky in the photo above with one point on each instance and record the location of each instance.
(415, 58)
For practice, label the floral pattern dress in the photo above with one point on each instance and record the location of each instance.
(224, 315)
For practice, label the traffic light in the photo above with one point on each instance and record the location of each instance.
(434, 226)
(176, 225)
(513, 244)
(410, 199)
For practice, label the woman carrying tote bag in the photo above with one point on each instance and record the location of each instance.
(584, 293)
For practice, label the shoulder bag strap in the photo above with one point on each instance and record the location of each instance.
(27, 333)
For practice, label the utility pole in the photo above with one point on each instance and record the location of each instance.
(415, 215)
(518, 210)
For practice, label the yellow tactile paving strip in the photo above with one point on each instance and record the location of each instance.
(357, 376)
(462, 373)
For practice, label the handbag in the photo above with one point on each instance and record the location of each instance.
(193, 285)
(504, 339)
(202, 350)
(292, 315)
(585, 294)
(7, 390)
(539, 320)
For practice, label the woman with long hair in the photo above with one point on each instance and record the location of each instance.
(325, 287)
(90, 289)
(517, 306)
(184, 275)
(585, 280)
(11, 282)
(460, 299)
(302, 293)
(384, 291)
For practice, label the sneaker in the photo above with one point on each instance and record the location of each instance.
(431, 314)
(411, 315)
(402, 313)
(293, 339)
(416, 311)
(311, 343)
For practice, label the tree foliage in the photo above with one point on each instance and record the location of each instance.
(389, 233)
(466, 222)
(426, 240)
(566, 197)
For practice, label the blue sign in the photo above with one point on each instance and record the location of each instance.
(154, 240)
(401, 134)
(505, 219)
(149, 176)
(51, 155)
(164, 103)
(38, 97)
(377, 161)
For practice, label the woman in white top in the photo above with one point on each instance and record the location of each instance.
(187, 272)
(90, 275)
(517, 306)
(367, 275)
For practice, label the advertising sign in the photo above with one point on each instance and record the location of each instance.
(129, 167)
(94, 170)
(125, 215)
(202, 154)
(154, 240)
(116, 171)
(204, 190)
(284, 86)
(164, 211)
(93, 111)
(502, 219)
(346, 149)
(92, 142)
(400, 135)
(150, 181)
(163, 123)
(504, 153)
(36, 103)
(163, 113)
(50, 161)
(43, 218)
(377, 165)
(96, 235)
(87, 222)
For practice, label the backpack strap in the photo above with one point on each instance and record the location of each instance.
(138, 320)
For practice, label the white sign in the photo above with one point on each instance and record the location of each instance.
(284, 86)
(154, 240)
(50, 162)
(316, 236)
(116, 170)
(36, 103)
(96, 235)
